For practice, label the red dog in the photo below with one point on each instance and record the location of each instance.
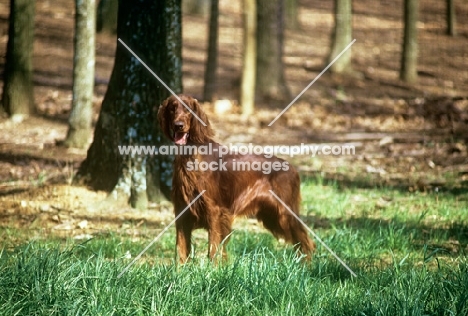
(228, 192)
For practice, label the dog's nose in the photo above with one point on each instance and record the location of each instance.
(179, 125)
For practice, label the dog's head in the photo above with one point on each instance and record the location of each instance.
(183, 122)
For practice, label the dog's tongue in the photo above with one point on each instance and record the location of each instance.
(180, 138)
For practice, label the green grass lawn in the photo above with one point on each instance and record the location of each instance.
(408, 250)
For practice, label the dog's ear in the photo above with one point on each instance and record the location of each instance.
(164, 119)
(198, 132)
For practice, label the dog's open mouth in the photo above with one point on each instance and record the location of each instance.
(180, 138)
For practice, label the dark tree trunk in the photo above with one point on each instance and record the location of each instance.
(79, 129)
(342, 36)
(152, 29)
(270, 70)
(209, 91)
(107, 16)
(249, 57)
(18, 92)
(408, 70)
(451, 18)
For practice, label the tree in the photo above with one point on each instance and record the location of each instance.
(408, 70)
(18, 92)
(270, 81)
(249, 57)
(209, 90)
(152, 29)
(79, 123)
(107, 16)
(341, 37)
(451, 18)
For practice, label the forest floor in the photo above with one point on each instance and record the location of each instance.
(410, 137)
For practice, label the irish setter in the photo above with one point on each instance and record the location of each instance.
(228, 192)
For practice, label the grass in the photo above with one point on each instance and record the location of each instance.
(408, 249)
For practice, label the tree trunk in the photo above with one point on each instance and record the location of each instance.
(209, 91)
(451, 18)
(107, 16)
(152, 29)
(79, 129)
(270, 71)
(292, 15)
(18, 92)
(342, 36)
(249, 57)
(408, 70)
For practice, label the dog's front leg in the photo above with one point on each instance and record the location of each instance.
(183, 236)
(218, 234)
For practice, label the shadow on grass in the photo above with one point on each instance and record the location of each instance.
(345, 182)
(451, 237)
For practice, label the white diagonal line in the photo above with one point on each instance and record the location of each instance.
(162, 82)
(313, 81)
(315, 235)
(159, 236)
